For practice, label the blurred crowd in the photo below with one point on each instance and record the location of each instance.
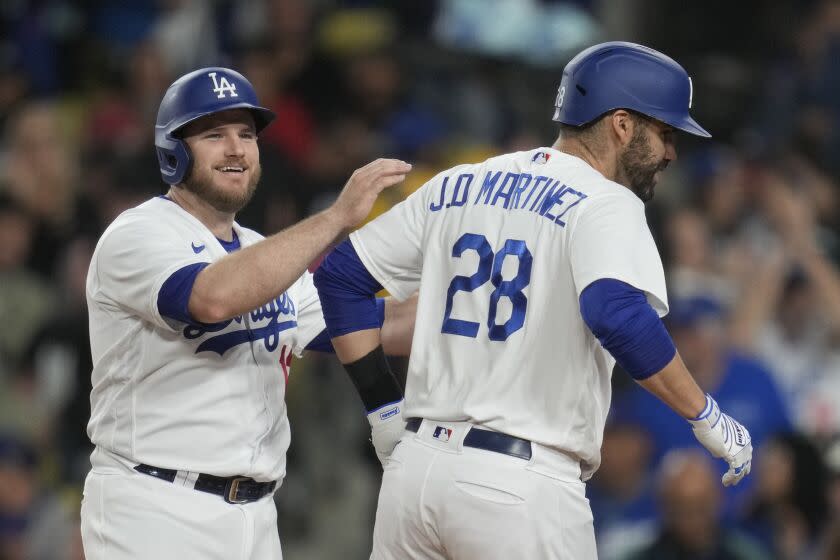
(748, 224)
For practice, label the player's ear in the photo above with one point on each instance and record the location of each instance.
(621, 124)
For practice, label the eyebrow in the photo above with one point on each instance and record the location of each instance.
(221, 123)
(202, 128)
(213, 127)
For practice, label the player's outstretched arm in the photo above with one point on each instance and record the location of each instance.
(246, 279)
(619, 315)
(722, 435)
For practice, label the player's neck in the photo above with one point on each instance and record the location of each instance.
(219, 223)
(603, 164)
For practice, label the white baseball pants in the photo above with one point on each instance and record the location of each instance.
(129, 515)
(442, 501)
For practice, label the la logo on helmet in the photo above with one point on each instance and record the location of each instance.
(222, 86)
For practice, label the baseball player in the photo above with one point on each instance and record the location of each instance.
(193, 323)
(536, 272)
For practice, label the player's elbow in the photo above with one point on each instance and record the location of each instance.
(204, 311)
(627, 327)
(208, 305)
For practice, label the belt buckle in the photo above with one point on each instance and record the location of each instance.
(232, 488)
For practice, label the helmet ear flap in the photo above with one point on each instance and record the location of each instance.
(186, 160)
(174, 159)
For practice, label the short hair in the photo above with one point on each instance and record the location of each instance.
(586, 134)
(579, 131)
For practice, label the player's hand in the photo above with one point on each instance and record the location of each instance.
(358, 195)
(387, 425)
(726, 439)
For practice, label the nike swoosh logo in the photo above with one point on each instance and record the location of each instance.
(197, 248)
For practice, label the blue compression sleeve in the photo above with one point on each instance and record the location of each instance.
(174, 296)
(347, 290)
(322, 342)
(627, 326)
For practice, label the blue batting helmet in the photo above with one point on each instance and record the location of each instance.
(620, 75)
(192, 96)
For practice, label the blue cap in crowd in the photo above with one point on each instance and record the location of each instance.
(689, 311)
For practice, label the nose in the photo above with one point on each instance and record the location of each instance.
(234, 147)
(670, 151)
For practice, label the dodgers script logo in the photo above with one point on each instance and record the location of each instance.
(269, 332)
(222, 86)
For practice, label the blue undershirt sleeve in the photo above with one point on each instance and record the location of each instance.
(174, 294)
(620, 316)
(347, 291)
(322, 342)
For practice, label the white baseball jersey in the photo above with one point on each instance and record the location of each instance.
(206, 399)
(501, 252)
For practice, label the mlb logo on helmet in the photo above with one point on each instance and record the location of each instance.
(442, 433)
(541, 157)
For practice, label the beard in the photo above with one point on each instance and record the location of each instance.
(201, 183)
(637, 166)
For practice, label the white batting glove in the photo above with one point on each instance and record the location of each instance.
(387, 427)
(726, 439)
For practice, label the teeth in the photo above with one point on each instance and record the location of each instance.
(229, 168)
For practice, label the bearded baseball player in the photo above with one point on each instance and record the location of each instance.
(537, 272)
(193, 323)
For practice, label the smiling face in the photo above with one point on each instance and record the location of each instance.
(226, 159)
(648, 153)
